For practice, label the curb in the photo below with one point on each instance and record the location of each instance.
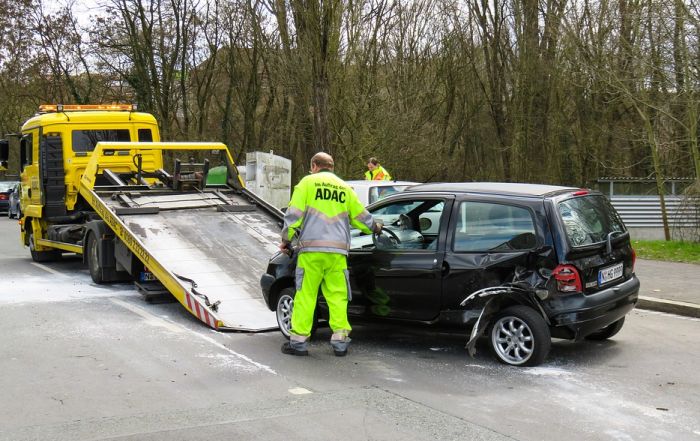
(670, 306)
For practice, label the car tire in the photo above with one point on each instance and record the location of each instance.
(519, 336)
(92, 254)
(42, 256)
(607, 332)
(283, 312)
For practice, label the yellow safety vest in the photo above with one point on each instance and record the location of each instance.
(378, 174)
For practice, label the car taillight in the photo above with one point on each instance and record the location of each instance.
(634, 258)
(3, 197)
(568, 278)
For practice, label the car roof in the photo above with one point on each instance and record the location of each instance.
(366, 183)
(495, 188)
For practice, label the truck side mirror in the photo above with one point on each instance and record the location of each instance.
(4, 152)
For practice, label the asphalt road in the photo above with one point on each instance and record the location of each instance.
(80, 361)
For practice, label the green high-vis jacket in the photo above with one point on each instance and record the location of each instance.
(322, 210)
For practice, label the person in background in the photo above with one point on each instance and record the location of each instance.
(376, 172)
(322, 210)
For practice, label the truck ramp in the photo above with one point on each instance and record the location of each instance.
(207, 246)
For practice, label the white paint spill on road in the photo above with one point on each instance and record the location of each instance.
(547, 372)
(42, 289)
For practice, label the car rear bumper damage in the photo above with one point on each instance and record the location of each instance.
(577, 316)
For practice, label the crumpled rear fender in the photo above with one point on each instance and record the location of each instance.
(494, 299)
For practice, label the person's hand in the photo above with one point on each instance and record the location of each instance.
(378, 225)
(284, 246)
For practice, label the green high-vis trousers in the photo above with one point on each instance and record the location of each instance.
(330, 272)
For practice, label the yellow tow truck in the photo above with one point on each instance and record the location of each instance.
(94, 183)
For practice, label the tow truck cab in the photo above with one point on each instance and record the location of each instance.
(55, 147)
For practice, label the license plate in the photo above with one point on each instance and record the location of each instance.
(609, 274)
(147, 277)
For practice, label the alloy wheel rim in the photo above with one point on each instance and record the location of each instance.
(512, 339)
(284, 313)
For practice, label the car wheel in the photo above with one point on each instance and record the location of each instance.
(608, 331)
(285, 305)
(520, 337)
(42, 256)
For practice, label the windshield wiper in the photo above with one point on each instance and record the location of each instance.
(609, 240)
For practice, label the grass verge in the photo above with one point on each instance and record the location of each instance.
(673, 251)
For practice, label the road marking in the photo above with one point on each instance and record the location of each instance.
(299, 391)
(150, 318)
(47, 269)
(157, 321)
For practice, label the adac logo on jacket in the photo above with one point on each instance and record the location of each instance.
(329, 192)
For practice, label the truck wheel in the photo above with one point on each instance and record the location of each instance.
(93, 259)
(285, 305)
(42, 256)
(607, 332)
(520, 337)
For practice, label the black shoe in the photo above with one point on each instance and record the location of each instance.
(289, 350)
(340, 353)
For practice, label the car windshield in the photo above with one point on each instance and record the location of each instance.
(6, 186)
(588, 220)
(380, 192)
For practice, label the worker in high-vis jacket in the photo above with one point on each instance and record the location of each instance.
(321, 212)
(375, 172)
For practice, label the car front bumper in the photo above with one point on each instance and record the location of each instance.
(577, 316)
(266, 282)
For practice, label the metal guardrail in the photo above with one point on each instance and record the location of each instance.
(645, 211)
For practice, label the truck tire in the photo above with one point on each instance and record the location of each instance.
(42, 256)
(519, 336)
(92, 254)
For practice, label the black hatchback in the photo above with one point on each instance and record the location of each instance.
(521, 263)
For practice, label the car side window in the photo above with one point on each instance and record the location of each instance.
(487, 226)
(415, 223)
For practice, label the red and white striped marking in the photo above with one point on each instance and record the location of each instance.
(200, 311)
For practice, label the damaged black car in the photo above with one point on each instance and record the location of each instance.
(517, 263)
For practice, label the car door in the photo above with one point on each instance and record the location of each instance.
(401, 280)
(486, 240)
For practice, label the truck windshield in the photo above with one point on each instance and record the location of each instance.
(86, 140)
(589, 219)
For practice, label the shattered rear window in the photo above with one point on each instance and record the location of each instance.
(589, 219)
